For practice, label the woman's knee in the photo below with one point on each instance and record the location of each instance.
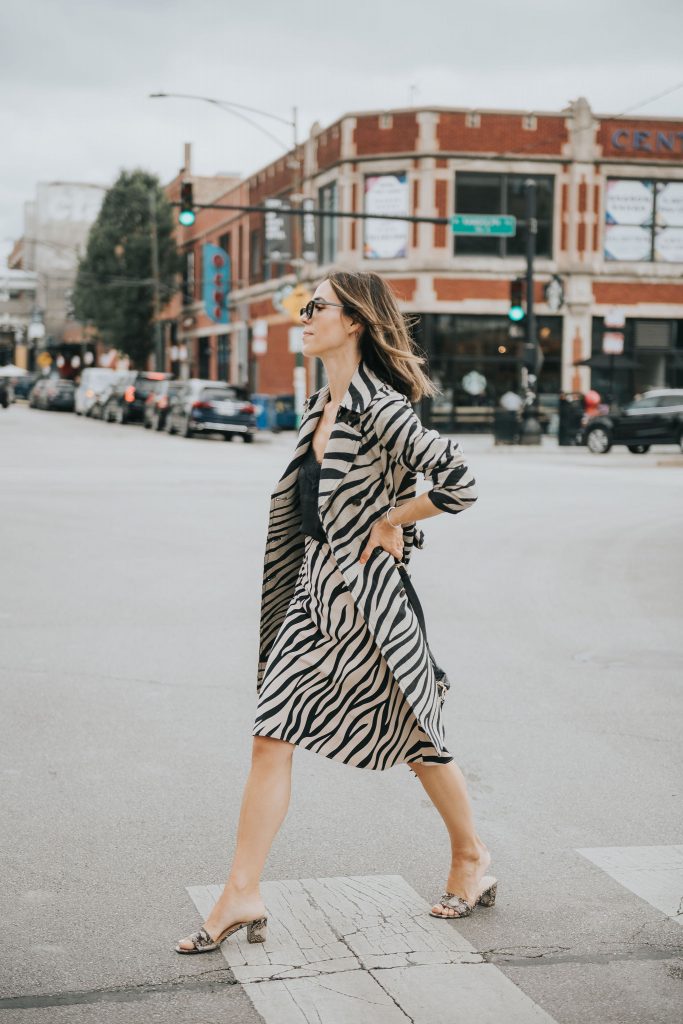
(268, 748)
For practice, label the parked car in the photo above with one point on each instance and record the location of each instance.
(53, 393)
(23, 385)
(34, 396)
(158, 403)
(106, 391)
(126, 402)
(94, 382)
(655, 418)
(209, 406)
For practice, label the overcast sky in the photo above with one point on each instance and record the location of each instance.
(76, 74)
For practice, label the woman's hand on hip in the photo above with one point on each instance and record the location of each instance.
(383, 535)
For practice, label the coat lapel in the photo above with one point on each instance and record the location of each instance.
(345, 437)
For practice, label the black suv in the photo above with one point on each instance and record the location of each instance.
(656, 418)
(126, 403)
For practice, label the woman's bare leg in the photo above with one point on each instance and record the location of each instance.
(264, 806)
(446, 787)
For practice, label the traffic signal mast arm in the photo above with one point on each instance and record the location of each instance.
(301, 212)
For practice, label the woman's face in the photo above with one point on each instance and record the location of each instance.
(329, 329)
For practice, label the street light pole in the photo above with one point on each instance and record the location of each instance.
(238, 110)
(297, 263)
(531, 428)
(158, 342)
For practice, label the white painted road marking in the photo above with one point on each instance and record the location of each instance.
(365, 948)
(655, 873)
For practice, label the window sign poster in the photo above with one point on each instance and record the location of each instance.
(669, 221)
(308, 247)
(669, 245)
(629, 208)
(628, 242)
(629, 201)
(670, 204)
(278, 231)
(386, 194)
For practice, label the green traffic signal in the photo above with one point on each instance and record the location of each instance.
(187, 215)
(516, 310)
(516, 313)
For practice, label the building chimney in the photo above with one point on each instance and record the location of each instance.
(188, 158)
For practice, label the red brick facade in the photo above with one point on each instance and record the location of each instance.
(501, 133)
(575, 148)
(399, 137)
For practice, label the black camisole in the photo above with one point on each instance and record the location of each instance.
(308, 481)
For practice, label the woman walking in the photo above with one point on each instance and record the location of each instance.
(344, 668)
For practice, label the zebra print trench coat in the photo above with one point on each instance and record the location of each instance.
(375, 451)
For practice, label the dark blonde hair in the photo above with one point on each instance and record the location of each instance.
(386, 344)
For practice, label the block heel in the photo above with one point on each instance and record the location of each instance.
(256, 930)
(488, 897)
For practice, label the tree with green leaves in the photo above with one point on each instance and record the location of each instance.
(115, 285)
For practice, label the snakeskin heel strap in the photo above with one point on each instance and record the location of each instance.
(201, 939)
(455, 902)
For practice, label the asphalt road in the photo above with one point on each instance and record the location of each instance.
(131, 576)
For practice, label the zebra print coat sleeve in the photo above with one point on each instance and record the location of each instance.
(419, 449)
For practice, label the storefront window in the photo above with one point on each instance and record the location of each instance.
(188, 278)
(256, 255)
(474, 362)
(503, 194)
(327, 226)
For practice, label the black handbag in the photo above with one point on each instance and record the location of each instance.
(442, 680)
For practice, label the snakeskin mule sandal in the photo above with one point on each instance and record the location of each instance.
(203, 943)
(487, 897)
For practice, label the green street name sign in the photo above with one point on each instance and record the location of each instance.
(483, 224)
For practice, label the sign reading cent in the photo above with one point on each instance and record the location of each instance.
(483, 224)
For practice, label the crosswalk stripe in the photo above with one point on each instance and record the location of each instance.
(655, 873)
(364, 948)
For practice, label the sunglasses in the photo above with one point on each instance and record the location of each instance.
(310, 307)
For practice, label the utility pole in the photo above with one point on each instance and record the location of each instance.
(300, 388)
(158, 343)
(531, 428)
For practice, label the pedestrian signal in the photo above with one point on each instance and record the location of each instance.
(187, 214)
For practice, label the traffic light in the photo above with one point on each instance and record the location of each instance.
(516, 311)
(187, 214)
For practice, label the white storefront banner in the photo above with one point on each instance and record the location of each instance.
(386, 194)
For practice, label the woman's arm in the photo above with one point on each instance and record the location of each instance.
(420, 507)
(425, 451)
(401, 433)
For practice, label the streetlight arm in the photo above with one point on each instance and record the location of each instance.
(231, 108)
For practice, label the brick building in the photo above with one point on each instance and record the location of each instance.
(610, 213)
